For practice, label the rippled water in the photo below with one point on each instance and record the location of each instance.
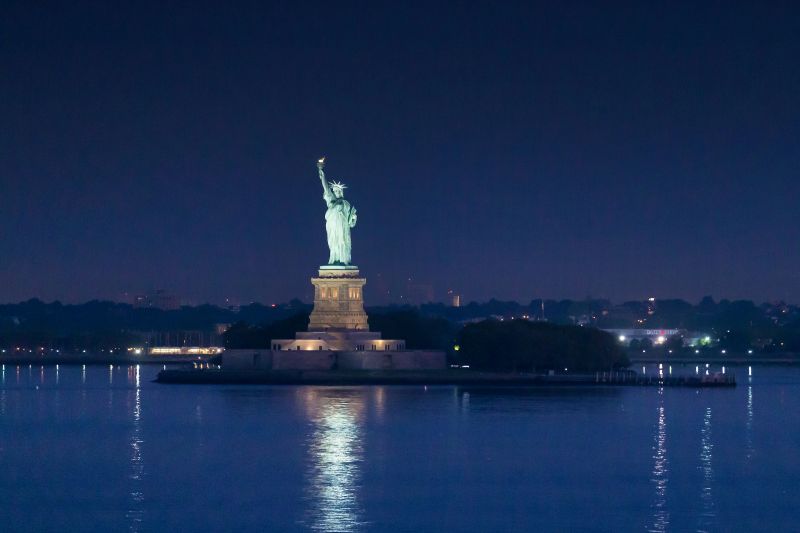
(105, 449)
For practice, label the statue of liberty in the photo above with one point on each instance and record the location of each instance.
(339, 218)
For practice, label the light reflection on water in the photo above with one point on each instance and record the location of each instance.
(135, 512)
(335, 455)
(362, 458)
(748, 425)
(660, 470)
(707, 513)
(380, 402)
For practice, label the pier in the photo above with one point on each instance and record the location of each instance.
(435, 377)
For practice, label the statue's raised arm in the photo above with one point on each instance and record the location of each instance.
(326, 190)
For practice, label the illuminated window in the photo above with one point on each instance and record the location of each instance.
(354, 293)
(323, 292)
(333, 292)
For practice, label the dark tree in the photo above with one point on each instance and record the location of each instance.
(242, 335)
(419, 332)
(523, 346)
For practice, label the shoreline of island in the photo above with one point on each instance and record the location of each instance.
(447, 377)
(785, 358)
(100, 359)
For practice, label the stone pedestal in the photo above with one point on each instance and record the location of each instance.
(338, 336)
(338, 300)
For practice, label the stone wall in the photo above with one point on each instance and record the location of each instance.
(300, 360)
(247, 359)
(328, 360)
(392, 360)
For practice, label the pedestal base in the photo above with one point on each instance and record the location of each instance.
(338, 299)
(338, 341)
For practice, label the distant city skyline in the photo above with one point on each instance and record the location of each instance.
(163, 299)
(501, 150)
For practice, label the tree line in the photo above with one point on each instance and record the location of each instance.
(735, 325)
(489, 345)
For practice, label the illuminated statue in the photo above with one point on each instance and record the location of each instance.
(339, 218)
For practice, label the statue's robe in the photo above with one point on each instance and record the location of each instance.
(339, 218)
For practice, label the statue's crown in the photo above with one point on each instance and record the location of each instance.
(337, 185)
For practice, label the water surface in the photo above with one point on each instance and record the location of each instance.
(105, 449)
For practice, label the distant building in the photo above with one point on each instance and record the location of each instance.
(184, 342)
(417, 293)
(380, 288)
(660, 336)
(187, 350)
(158, 299)
(454, 299)
(184, 338)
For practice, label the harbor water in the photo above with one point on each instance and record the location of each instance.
(103, 448)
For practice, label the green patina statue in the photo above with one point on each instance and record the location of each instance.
(339, 218)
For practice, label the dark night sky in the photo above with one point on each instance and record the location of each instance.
(501, 149)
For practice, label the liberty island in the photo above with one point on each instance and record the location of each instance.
(338, 335)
